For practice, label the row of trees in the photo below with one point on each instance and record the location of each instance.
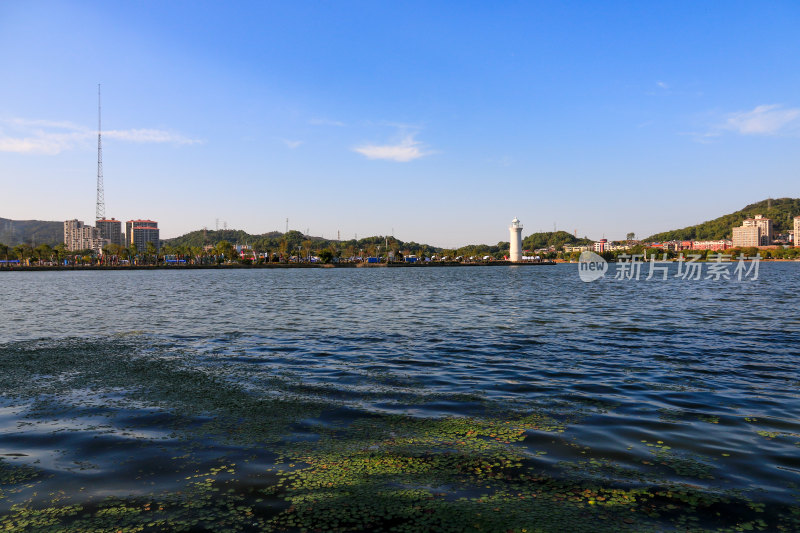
(26, 252)
(776, 253)
(295, 243)
(114, 254)
(280, 250)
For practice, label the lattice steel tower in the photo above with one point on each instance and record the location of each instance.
(100, 211)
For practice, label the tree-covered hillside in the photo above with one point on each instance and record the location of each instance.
(293, 241)
(202, 237)
(782, 212)
(33, 232)
(557, 239)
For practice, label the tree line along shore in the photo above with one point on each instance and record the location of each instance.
(308, 252)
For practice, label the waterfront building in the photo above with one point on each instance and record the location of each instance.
(723, 244)
(764, 226)
(111, 229)
(570, 249)
(600, 246)
(746, 236)
(796, 230)
(619, 247)
(140, 232)
(78, 237)
(755, 231)
(515, 241)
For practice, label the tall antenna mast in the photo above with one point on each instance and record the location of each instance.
(100, 211)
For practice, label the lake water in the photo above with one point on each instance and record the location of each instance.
(453, 398)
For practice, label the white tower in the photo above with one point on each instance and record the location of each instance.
(515, 241)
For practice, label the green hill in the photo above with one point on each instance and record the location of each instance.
(782, 212)
(557, 239)
(203, 237)
(273, 240)
(34, 232)
(293, 239)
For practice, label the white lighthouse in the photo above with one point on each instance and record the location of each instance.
(515, 241)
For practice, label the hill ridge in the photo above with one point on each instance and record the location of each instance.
(781, 210)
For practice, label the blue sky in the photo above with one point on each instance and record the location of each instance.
(438, 121)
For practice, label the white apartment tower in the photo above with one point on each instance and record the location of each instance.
(753, 232)
(764, 225)
(796, 230)
(515, 241)
(78, 237)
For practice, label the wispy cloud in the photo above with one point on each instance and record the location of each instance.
(40, 123)
(292, 144)
(48, 137)
(408, 149)
(40, 143)
(662, 85)
(763, 120)
(149, 136)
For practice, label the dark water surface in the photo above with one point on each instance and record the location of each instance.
(487, 398)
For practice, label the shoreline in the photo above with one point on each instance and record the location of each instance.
(271, 266)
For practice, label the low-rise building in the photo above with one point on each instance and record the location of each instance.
(666, 245)
(723, 244)
(584, 248)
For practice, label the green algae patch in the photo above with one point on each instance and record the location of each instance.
(15, 478)
(205, 504)
(207, 448)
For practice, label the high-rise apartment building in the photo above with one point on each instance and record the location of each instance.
(746, 236)
(765, 228)
(797, 230)
(78, 236)
(140, 232)
(753, 232)
(111, 229)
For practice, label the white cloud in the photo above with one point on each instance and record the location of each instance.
(29, 122)
(408, 149)
(662, 85)
(149, 136)
(763, 120)
(292, 144)
(27, 146)
(48, 144)
(33, 136)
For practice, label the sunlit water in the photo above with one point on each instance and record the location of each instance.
(708, 367)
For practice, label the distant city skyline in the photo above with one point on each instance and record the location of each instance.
(436, 122)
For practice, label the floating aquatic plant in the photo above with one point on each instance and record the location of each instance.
(216, 449)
